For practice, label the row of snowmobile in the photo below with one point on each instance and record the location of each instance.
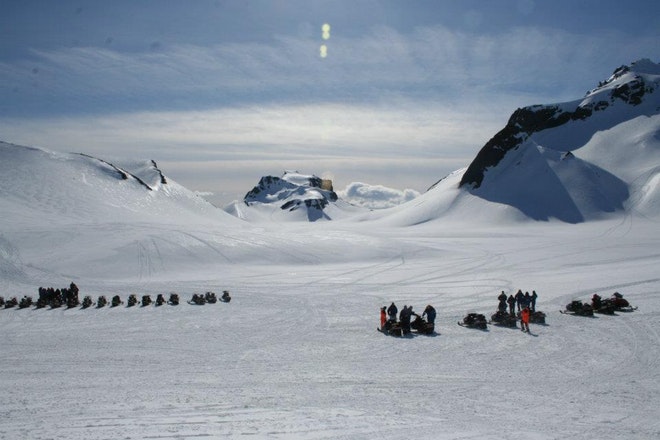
(608, 306)
(72, 301)
(418, 325)
(500, 318)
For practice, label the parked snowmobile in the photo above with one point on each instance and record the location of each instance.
(160, 299)
(198, 300)
(474, 320)
(132, 300)
(392, 328)
(116, 300)
(576, 307)
(620, 303)
(102, 302)
(604, 306)
(87, 302)
(211, 298)
(146, 300)
(174, 299)
(225, 296)
(421, 326)
(503, 319)
(25, 302)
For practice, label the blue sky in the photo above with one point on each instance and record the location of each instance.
(220, 93)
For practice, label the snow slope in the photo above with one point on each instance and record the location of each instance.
(295, 355)
(613, 135)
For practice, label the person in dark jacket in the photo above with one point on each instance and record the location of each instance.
(512, 304)
(520, 297)
(404, 318)
(429, 312)
(392, 311)
(533, 301)
(502, 299)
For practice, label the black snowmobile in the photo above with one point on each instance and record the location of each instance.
(620, 303)
(421, 326)
(577, 307)
(474, 320)
(503, 319)
(604, 306)
(391, 328)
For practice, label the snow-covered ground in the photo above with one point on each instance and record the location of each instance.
(296, 354)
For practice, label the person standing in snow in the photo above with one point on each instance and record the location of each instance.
(533, 300)
(404, 318)
(392, 310)
(429, 312)
(524, 319)
(512, 305)
(519, 299)
(383, 318)
(502, 299)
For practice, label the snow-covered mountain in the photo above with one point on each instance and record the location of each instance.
(578, 160)
(292, 197)
(296, 354)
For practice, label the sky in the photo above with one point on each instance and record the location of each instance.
(372, 94)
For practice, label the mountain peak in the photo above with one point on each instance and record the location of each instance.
(534, 133)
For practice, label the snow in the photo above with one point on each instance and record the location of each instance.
(296, 355)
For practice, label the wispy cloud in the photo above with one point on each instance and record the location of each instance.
(384, 100)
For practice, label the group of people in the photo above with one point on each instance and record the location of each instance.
(520, 300)
(389, 315)
(525, 303)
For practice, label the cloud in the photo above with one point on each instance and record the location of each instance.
(376, 196)
(433, 62)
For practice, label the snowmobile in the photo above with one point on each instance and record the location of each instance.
(422, 327)
(132, 300)
(160, 299)
(225, 296)
(503, 319)
(211, 298)
(391, 328)
(116, 300)
(620, 303)
(474, 320)
(536, 317)
(25, 302)
(576, 307)
(87, 302)
(102, 302)
(12, 302)
(174, 299)
(604, 306)
(146, 300)
(198, 300)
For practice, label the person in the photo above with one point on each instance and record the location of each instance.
(596, 301)
(512, 305)
(429, 312)
(519, 299)
(527, 300)
(533, 301)
(524, 319)
(392, 310)
(502, 305)
(404, 318)
(383, 317)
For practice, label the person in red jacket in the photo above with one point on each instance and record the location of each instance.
(524, 319)
(383, 317)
